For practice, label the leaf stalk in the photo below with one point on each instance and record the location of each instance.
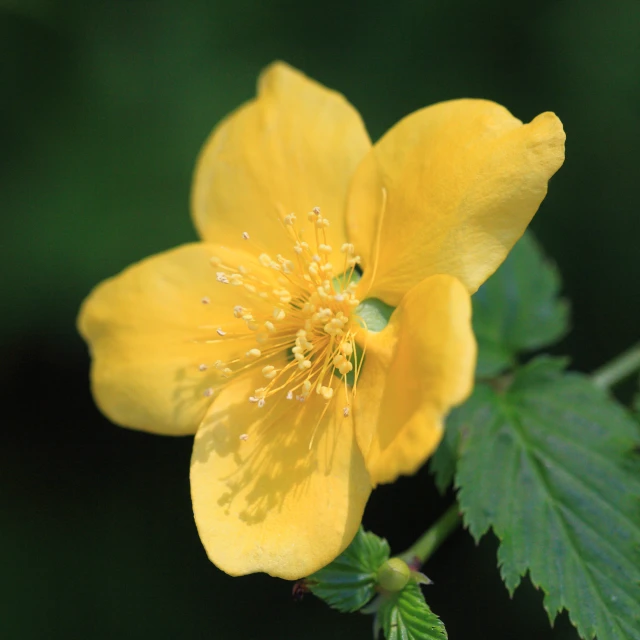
(618, 369)
(426, 545)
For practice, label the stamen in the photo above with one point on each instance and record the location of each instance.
(302, 310)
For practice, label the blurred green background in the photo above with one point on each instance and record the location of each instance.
(104, 107)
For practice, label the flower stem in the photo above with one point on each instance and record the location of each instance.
(425, 546)
(618, 369)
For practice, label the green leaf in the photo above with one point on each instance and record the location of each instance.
(552, 465)
(349, 582)
(406, 616)
(460, 420)
(518, 308)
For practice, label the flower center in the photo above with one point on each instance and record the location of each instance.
(301, 319)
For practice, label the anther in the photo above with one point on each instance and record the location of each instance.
(269, 372)
(270, 326)
(220, 332)
(346, 348)
(327, 393)
(221, 277)
(244, 436)
(261, 402)
(238, 311)
(205, 300)
(253, 353)
(345, 368)
(202, 367)
(278, 314)
(345, 412)
(245, 235)
(289, 395)
(265, 260)
(208, 392)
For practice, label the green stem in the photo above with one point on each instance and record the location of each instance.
(618, 369)
(425, 546)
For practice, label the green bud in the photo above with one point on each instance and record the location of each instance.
(393, 575)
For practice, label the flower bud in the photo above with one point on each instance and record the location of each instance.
(393, 575)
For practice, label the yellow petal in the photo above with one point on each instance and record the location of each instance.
(263, 499)
(146, 329)
(415, 369)
(449, 189)
(293, 148)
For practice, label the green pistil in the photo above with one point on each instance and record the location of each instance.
(374, 314)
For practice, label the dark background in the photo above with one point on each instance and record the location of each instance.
(104, 105)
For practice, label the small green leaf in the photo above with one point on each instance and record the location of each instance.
(349, 582)
(518, 308)
(551, 464)
(406, 616)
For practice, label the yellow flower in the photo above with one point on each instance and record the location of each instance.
(254, 339)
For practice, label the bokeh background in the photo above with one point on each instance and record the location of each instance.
(104, 105)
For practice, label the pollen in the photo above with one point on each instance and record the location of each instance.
(298, 310)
